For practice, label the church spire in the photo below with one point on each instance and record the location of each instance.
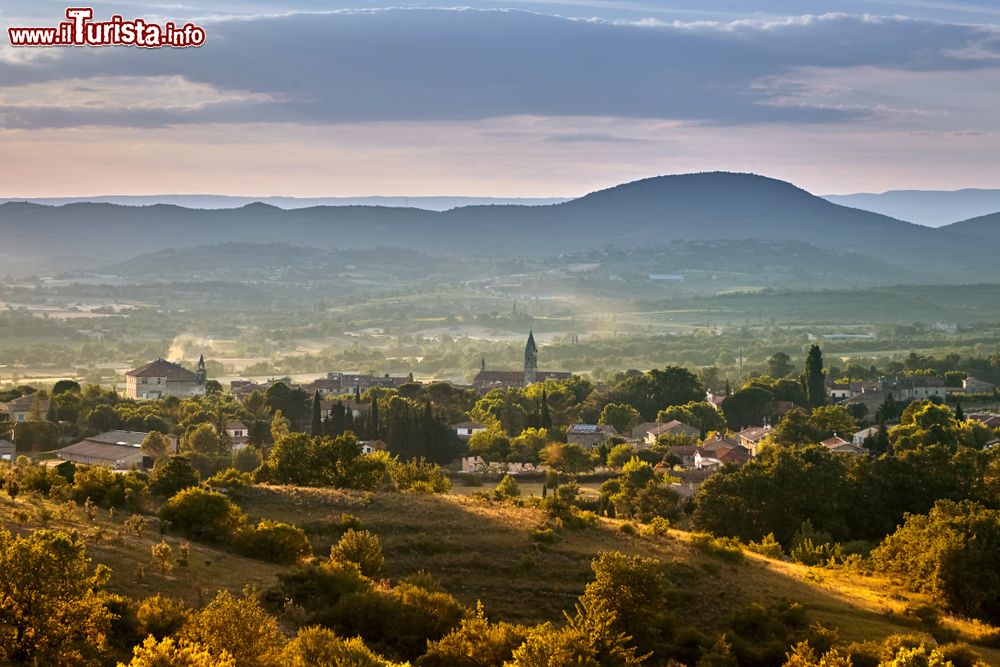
(530, 359)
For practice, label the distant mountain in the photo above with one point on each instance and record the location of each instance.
(228, 201)
(985, 227)
(648, 213)
(933, 208)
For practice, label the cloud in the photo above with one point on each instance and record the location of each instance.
(434, 64)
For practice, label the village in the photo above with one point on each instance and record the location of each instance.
(682, 440)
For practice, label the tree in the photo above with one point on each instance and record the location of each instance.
(205, 439)
(959, 413)
(657, 389)
(155, 445)
(779, 365)
(544, 417)
(239, 627)
(748, 407)
(65, 386)
(620, 455)
(815, 380)
(567, 458)
(167, 652)
(320, 647)
(623, 417)
(950, 552)
(202, 515)
(163, 556)
(52, 612)
(172, 475)
(316, 426)
(362, 548)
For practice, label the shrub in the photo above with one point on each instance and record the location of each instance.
(247, 459)
(183, 653)
(108, 488)
(173, 474)
(419, 475)
(273, 542)
(202, 515)
(230, 479)
(506, 489)
(726, 548)
(475, 643)
(161, 616)
(768, 546)
(240, 627)
(362, 548)
(319, 647)
(658, 527)
(950, 552)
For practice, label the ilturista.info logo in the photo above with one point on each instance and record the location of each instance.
(80, 29)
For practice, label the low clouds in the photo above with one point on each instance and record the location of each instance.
(304, 100)
(432, 65)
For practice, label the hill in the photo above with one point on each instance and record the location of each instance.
(651, 212)
(985, 227)
(934, 208)
(485, 551)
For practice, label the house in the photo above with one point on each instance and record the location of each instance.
(838, 445)
(477, 464)
(589, 435)
(714, 399)
(686, 454)
(673, 427)
(971, 385)
(7, 450)
(838, 391)
(726, 450)
(356, 408)
(704, 462)
(465, 430)
(25, 408)
(750, 438)
(238, 434)
(162, 378)
(367, 446)
(862, 435)
(118, 450)
(919, 387)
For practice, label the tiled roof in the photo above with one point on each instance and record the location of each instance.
(162, 368)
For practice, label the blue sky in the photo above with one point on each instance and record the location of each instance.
(515, 98)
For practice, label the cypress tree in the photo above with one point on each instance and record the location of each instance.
(729, 388)
(316, 428)
(373, 421)
(545, 419)
(815, 379)
(959, 413)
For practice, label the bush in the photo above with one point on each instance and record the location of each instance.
(183, 653)
(361, 548)
(768, 546)
(247, 459)
(230, 479)
(658, 527)
(161, 616)
(202, 515)
(727, 548)
(108, 488)
(506, 489)
(320, 647)
(950, 552)
(419, 475)
(273, 542)
(173, 474)
(475, 643)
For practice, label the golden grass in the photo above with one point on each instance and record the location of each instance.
(485, 551)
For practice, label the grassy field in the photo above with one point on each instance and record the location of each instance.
(483, 550)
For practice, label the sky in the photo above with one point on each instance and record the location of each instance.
(507, 98)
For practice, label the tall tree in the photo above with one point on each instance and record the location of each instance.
(316, 427)
(373, 420)
(779, 365)
(545, 418)
(959, 413)
(815, 379)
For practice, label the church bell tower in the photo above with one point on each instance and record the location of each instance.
(530, 359)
